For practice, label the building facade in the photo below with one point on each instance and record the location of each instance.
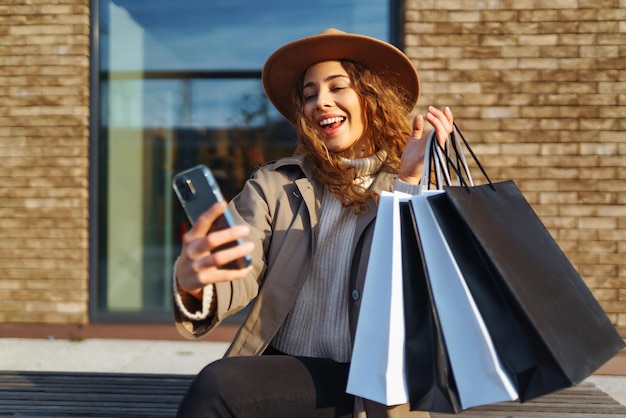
(99, 106)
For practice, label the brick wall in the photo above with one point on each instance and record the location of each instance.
(44, 95)
(539, 87)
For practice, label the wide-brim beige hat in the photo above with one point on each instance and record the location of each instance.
(284, 69)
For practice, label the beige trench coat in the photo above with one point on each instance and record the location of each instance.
(281, 203)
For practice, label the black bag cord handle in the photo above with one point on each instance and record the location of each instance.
(433, 164)
(438, 163)
(480, 166)
(454, 148)
(460, 165)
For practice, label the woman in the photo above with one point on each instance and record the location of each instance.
(308, 223)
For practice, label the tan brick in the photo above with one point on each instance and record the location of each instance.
(430, 15)
(578, 15)
(543, 40)
(482, 52)
(613, 13)
(44, 277)
(557, 4)
(559, 222)
(497, 40)
(544, 210)
(576, 39)
(595, 51)
(614, 306)
(588, 258)
(469, 99)
(576, 87)
(521, 51)
(608, 282)
(603, 29)
(612, 112)
(605, 87)
(598, 149)
(515, 4)
(597, 223)
(412, 27)
(464, 15)
(579, 234)
(533, 15)
(607, 75)
(598, 99)
(558, 198)
(581, 185)
(491, 15)
(611, 136)
(614, 185)
(612, 211)
(521, 149)
(28, 30)
(616, 63)
(605, 294)
(557, 27)
(577, 112)
(524, 99)
(518, 125)
(601, 173)
(618, 39)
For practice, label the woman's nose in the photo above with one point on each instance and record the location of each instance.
(323, 99)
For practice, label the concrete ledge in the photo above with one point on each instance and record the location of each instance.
(614, 367)
(223, 333)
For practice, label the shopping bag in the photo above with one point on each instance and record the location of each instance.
(430, 382)
(479, 374)
(377, 369)
(545, 323)
(548, 329)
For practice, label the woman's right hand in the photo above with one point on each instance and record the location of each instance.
(412, 162)
(198, 265)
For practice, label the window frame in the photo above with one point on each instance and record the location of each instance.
(96, 287)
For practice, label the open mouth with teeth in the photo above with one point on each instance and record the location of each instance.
(330, 124)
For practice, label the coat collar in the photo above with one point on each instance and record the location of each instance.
(309, 189)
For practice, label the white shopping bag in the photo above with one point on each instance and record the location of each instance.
(377, 369)
(480, 377)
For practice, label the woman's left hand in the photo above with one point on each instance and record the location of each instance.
(412, 161)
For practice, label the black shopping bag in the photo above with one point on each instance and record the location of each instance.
(430, 382)
(548, 329)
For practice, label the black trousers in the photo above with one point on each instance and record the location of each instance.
(269, 386)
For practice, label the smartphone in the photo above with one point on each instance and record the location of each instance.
(197, 191)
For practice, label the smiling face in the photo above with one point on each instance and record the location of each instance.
(332, 105)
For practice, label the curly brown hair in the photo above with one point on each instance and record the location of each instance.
(384, 116)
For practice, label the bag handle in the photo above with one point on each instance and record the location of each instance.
(474, 157)
(432, 165)
(438, 162)
(442, 160)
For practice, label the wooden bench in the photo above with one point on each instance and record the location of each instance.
(62, 394)
(582, 401)
(123, 395)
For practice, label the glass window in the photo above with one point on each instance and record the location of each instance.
(179, 85)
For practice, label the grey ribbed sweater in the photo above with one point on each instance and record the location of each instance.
(318, 324)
